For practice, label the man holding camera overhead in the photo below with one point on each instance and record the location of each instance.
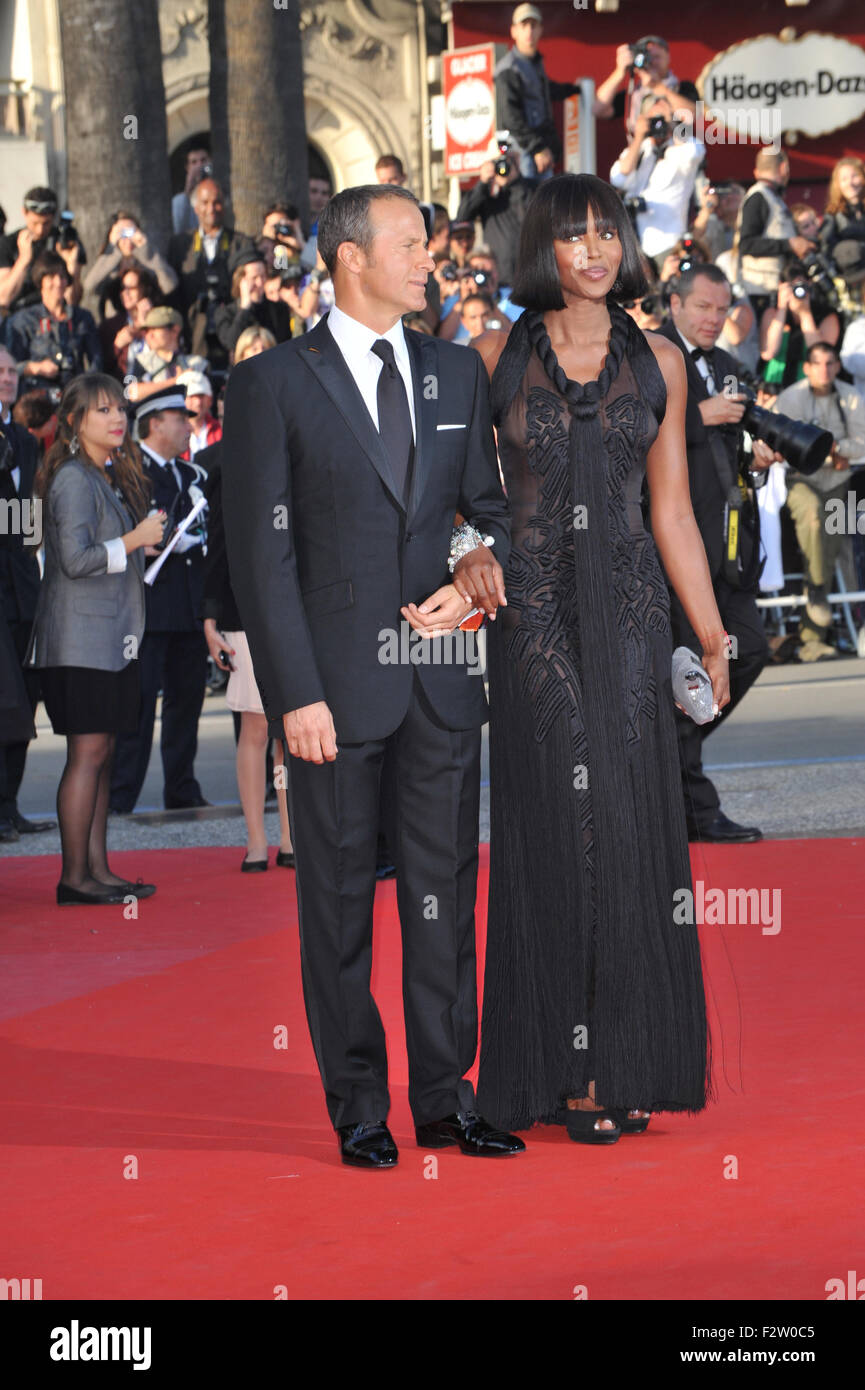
(645, 66)
(656, 176)
(20, 250)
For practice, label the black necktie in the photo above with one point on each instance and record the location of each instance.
(394, 416)
(709, 357)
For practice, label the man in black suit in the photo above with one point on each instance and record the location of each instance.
(20, 536)
(173, 655)
(699, 307)
(346, 455)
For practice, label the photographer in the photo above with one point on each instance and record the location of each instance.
(656, 176)
(699, 308)
(198, 166)
(499, 199)
(250, 307)
(715, 223)
(797, 319)
(647, 64)
(160, 360)
(21, 249)
(125, 246)
(524, 97)
(766, 233)
(481, 276)
(52, 340)
(820, 401)
(201, 260)
(281, 228)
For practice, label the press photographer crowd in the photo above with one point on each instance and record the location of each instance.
(114, 361)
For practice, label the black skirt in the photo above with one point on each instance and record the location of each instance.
(81, 700)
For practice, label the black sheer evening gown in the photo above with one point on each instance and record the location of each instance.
(587, 977)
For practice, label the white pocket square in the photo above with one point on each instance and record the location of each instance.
(450, 427)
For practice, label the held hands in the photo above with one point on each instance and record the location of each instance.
(722, 409)
(439, 614)
(310, 733)
(478, 578)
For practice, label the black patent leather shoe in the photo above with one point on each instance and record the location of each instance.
(32, 827)
(723, 831)
(109, 893)
(473, 1134)
(367, 1145)
(285, 859)
(8, 833)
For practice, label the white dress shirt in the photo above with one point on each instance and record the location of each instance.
(667, 185)
(701, 364)
(355, 341)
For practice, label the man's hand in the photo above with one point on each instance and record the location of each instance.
(439, 614)
(310, 733)
(762, 456)
(624, 58)
(543, 160)
(46, 366)
(800, 245)
(722, 409)
(837, 459)
(480, 581)
(25, 246)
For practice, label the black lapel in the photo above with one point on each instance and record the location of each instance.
(424, 371)
(696, 380)
(324, 359)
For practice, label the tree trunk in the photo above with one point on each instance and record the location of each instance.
(116, 138)
(217, 98)
(266, 118)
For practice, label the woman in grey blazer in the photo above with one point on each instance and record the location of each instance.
(90, 618)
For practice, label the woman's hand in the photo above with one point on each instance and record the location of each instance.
(439, 614)
(478, 577)
(717, 666)
(149, 531)
(219, 649)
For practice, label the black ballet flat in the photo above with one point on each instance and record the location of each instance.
(626, 1124)
(284, 859)
(580, 1125)
(253, 866)
(138, 889)
(68, 897)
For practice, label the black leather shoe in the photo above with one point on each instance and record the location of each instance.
(284, 859)
(723, 831)
(31, 827)
(138, 889)
(367, 1145)
(186, 805)
(111, 893)
(473, 1134)
(8, 833)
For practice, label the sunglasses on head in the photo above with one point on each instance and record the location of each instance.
(42, 208)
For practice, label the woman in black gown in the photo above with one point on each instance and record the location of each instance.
(594, 1012)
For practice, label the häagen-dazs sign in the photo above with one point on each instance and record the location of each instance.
(816, 83)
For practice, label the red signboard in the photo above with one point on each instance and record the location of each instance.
(470, 108)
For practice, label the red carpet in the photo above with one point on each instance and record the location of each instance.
(153, 1040)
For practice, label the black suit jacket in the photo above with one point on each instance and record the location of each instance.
(322, 552)
(19, 568)
(219, 601)
(174, 600)
(707, 495)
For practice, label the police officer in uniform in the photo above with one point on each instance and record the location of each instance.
(173, 655)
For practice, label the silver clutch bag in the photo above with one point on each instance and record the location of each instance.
(692, 688)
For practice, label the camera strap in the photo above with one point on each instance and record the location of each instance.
(732, 506)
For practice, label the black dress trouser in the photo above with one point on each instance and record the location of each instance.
(13, 756)
(176, 664)
(427, 780)
(741, 618)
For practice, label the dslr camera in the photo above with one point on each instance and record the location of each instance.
(641, 55)
(503, 164)
(65, 235)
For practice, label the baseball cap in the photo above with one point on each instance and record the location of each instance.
(524, 12)
(163, 316)
(196, 383)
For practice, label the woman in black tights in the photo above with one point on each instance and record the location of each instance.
(90, 618)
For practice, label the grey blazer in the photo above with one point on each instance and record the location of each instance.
(86, 616)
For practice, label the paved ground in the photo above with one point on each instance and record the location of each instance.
(791, 760)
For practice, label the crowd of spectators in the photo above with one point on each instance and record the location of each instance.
(180, 316)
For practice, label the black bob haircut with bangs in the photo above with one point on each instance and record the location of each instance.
(557, 210)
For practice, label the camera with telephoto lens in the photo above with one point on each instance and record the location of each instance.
(820, 271)
(481, 278)
(503, 164)
(804, 447)
(642, 56)
(659, 128)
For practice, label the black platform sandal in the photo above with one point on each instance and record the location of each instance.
(580, 1125)
(627, 1124)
